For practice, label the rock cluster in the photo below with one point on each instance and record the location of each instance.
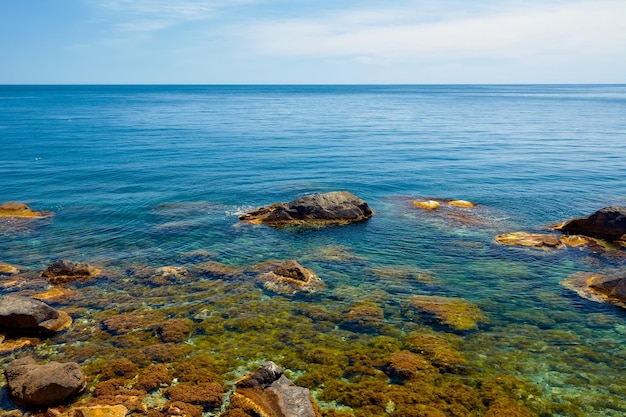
(338, 207)
(268, 392)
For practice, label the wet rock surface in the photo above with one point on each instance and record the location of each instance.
(607, 223)
(65, 270)
(337, 207)
(536, 240)
(13, 209)
(34, 385)
(25, 315)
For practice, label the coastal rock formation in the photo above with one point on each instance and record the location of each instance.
(290, 278)
(338, 207)
(34, 385)
(455, 313)
(608, 223)
(64, 270)
(24, 315)
(536, 240)
(598, 287)
(12, 209)
(268, 392)
(6, 269)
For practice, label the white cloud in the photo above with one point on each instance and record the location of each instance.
(524, 30)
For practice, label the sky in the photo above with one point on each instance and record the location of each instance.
(312, 42)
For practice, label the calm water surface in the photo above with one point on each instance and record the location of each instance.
(144, 175)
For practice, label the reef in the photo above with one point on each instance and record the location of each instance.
(333, 208)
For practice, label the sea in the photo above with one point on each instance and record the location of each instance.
(140, 177)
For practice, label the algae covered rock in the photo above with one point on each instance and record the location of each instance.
(64, 270)
(290, 278)
(20, 314)
(536, 240)
(337, 207)
(599, 287)
(6, 269)
(456, 313)
(13, 209)
(607, 223)
(268, 392)
(34, 385)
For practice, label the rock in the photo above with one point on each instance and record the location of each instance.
(269, 393)
(24, 315)
(536, 240)
(6, 269)
(455, 313)
(100, 411)
(427, 205)
(12, 209)
(10, 345)
(461, 203)
(598, 287)
(64, 270)
(338, 207)
(290, 278)
(33, 385)
(608, 223)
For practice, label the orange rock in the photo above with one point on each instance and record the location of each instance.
(536, 240)
(11, 345)
(461, 203)
(427, 205)
(12, 209)
(6, 269)
(100, 411)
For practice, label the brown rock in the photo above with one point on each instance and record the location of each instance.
(607, 223)
(34, 385)
(64, 270)
(598, 287)
(25, 315)
(338, 207)
(100, 411)
(290, 278)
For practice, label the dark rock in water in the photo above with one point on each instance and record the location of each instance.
(24, 315)
(34, 385)
(607, 223)
(12, 209)
(64, 270)
(338, 207)
(290, 278)
(598, 287)
(268, 392)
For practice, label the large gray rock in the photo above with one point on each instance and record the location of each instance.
(268, 392)
(24, 315)
(607, 223)
(33, 385)
(337, 207)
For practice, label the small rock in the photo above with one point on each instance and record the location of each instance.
(427, 205)
(25, 315)
(290, 278)
(6, 269)
(536, 240)
(12, 209)
(100, 411)
(64, 270)
(33, 385)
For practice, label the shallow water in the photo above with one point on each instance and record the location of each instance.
(144, 175)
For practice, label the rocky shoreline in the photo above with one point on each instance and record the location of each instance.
(194, 390)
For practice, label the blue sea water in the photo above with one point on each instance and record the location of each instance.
(138, 175)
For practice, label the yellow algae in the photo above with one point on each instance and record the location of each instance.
(427, 205)
(456, 313)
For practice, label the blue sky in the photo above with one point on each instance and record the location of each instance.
(322, 41)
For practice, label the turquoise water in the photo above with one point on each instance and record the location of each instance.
(142, 175)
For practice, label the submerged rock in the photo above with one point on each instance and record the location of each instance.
(536, 240)
(6, 269)
(337, 207)
(607, 223)
(100, 411)
(290, 278)
(269, 393)
(598, 287)
(12, 209)
(24, 315)
(64, 270)
(34, 385)
(10, 345)
(457, 313)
